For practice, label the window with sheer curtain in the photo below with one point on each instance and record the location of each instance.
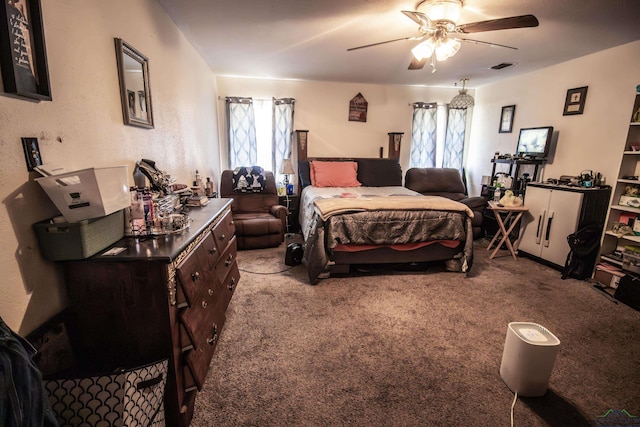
(260, 132)
(437, 136)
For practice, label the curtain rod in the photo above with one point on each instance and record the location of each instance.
(224, 98)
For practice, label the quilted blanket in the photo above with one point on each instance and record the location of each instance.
(396, 219)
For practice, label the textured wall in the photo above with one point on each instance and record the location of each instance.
(593, 140)
(82, 127)
(323, 109)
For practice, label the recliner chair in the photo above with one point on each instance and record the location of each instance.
(447, 182)
(259, 218)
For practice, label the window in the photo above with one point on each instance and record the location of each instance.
(437, 136)
(259, 132)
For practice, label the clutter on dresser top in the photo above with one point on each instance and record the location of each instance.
(97, 207)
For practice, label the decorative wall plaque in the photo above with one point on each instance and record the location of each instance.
(358, 109)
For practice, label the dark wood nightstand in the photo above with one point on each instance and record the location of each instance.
(292, 203)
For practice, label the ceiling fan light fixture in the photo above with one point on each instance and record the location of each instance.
(447, 48)
(423, 50)
(441, 10)
(462, 99)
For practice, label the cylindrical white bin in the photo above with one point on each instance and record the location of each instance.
(527, 361)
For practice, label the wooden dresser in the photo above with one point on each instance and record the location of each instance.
(162, 297)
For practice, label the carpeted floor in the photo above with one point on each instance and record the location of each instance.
(413, 348)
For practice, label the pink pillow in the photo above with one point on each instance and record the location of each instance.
(334, 174)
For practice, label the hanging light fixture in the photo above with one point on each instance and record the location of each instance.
(443, 48)
(443, 16)
(441, 10)
(462, 99)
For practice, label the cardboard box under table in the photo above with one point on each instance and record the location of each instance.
(88, 193)
(78, 240)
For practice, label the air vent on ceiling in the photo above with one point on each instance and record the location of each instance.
(503, 66)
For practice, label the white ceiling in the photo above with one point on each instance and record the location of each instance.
(308, 39)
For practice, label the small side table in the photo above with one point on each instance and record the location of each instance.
(292, 203)
(514, 214)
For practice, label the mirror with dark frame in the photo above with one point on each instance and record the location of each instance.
(135, 91)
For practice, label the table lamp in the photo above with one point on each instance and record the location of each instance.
(286, 169)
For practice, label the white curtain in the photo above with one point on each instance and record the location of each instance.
(454, 140)
(242, 132)
(282, 117)
(423, 135)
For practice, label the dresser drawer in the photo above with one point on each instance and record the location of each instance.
(197, 269)
(196, 360)
(230, 283)
(190, 275)
(224, 231)
(208, 251)
(194, 319)
(226, 261)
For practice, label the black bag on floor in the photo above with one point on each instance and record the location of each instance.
(628, 291)
(584, 245)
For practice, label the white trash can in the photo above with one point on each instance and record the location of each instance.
(527, 361)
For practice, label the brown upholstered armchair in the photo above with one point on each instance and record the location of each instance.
(259, 219)
(447, 182)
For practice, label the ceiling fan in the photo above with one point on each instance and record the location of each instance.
(437, 20)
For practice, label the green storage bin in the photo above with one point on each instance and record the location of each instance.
(78, 240)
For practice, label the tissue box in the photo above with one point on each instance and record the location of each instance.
(88, 193)
(78, 240)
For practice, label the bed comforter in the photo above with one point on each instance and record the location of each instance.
(377, 216)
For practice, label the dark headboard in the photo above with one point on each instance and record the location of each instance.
(372, 172)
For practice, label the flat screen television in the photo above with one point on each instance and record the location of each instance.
(535, 142)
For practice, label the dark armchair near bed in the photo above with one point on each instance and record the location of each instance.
(259, 218)
(447, 182)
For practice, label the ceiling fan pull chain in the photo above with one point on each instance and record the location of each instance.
(433, 63)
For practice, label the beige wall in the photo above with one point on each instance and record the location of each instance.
(593, 140)
(322, 108)
(82, 127)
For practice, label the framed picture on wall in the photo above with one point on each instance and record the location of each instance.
(23, 57)
(574, 102)
(506, 119)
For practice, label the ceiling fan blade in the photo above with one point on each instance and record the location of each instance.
(486, 43)
(419, 17)
(417, 64)
(499, 24)
(385, 42)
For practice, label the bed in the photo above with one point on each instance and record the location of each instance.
(357, 212)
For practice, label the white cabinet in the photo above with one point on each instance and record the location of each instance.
(553, 215)
(555, 212)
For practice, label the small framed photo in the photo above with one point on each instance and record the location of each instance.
(506, 118)
(31, 152)
(131, 99)
(574, 102)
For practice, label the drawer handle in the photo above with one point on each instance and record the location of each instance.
(204, 304)
(210, 291)
(232, 284)
(223, 236)
(195, 276)
(214, 337)
(230, 222)
(212, 251)
(229, 260)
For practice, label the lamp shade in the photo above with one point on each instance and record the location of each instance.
(462, 99)
(286, 168)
